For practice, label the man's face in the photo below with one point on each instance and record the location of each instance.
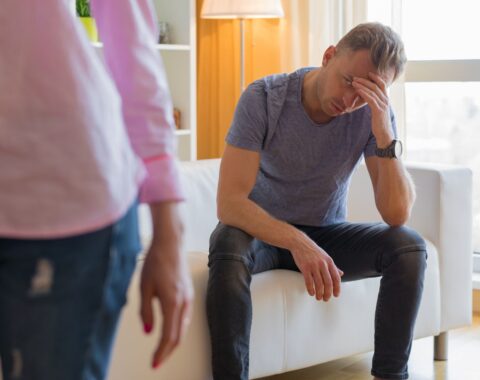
(335, 91)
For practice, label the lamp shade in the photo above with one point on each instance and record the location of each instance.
(242, 9)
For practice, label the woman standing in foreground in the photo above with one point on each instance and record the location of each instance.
(80, 145)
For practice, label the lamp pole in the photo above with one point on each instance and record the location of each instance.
(242, 9)
(242, 55)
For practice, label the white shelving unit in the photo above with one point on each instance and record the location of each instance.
(179, 59)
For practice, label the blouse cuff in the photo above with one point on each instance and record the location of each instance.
(162, 182)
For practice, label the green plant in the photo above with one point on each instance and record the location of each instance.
(83, 8)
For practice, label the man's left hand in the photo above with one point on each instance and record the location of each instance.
(374, 92)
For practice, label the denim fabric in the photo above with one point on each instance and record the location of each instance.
(398, 254)
(60, 300)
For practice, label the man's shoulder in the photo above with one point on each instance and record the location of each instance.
(267, 85)
(273, 89)
(276, 81)
(269, 90)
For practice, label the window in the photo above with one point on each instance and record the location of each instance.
(439, 100)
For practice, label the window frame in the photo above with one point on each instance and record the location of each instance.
(458, 70)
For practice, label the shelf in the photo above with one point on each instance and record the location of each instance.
(168, 47)
(173, 47)
(183, 132)
(179, 63)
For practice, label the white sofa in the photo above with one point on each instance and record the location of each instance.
(290, 329)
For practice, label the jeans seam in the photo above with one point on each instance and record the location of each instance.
(229, 256)
(403, 251)
(411, 248)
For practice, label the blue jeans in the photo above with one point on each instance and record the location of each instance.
(60, 300)
(398, 254)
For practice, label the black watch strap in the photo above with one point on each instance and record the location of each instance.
(394, 150)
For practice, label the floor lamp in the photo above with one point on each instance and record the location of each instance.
(241, 9)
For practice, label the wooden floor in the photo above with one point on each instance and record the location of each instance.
(463, 363)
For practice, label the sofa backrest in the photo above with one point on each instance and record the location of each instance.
(361, 200)
(200, 179)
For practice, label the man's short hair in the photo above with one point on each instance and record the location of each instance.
(385, 46)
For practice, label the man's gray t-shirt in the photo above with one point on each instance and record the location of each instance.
(305, 167)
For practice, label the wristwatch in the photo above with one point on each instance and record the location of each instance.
(394, 150)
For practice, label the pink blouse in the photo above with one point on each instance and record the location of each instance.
(80, 140)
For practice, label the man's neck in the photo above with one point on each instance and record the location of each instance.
(311, 98)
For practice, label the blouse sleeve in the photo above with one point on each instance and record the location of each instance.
(127, 29)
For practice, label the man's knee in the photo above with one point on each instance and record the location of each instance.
(400, 241)
(230, 265)
(404, 239)
(230, 243)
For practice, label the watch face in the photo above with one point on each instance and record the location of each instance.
(398, 149)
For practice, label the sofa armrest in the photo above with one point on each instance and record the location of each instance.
(443, 214)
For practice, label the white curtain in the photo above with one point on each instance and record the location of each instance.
(311, 26)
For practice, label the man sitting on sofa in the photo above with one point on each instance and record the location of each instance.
(293, 145)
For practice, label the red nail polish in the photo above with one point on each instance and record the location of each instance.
(155, 365)
(147, 328)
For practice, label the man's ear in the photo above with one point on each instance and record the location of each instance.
(328, 55)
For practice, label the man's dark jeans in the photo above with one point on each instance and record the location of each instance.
(398, 254)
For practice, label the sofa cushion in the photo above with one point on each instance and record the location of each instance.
(292, 330)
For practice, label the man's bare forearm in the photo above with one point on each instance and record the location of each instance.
(251, 218)
(395, 193)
